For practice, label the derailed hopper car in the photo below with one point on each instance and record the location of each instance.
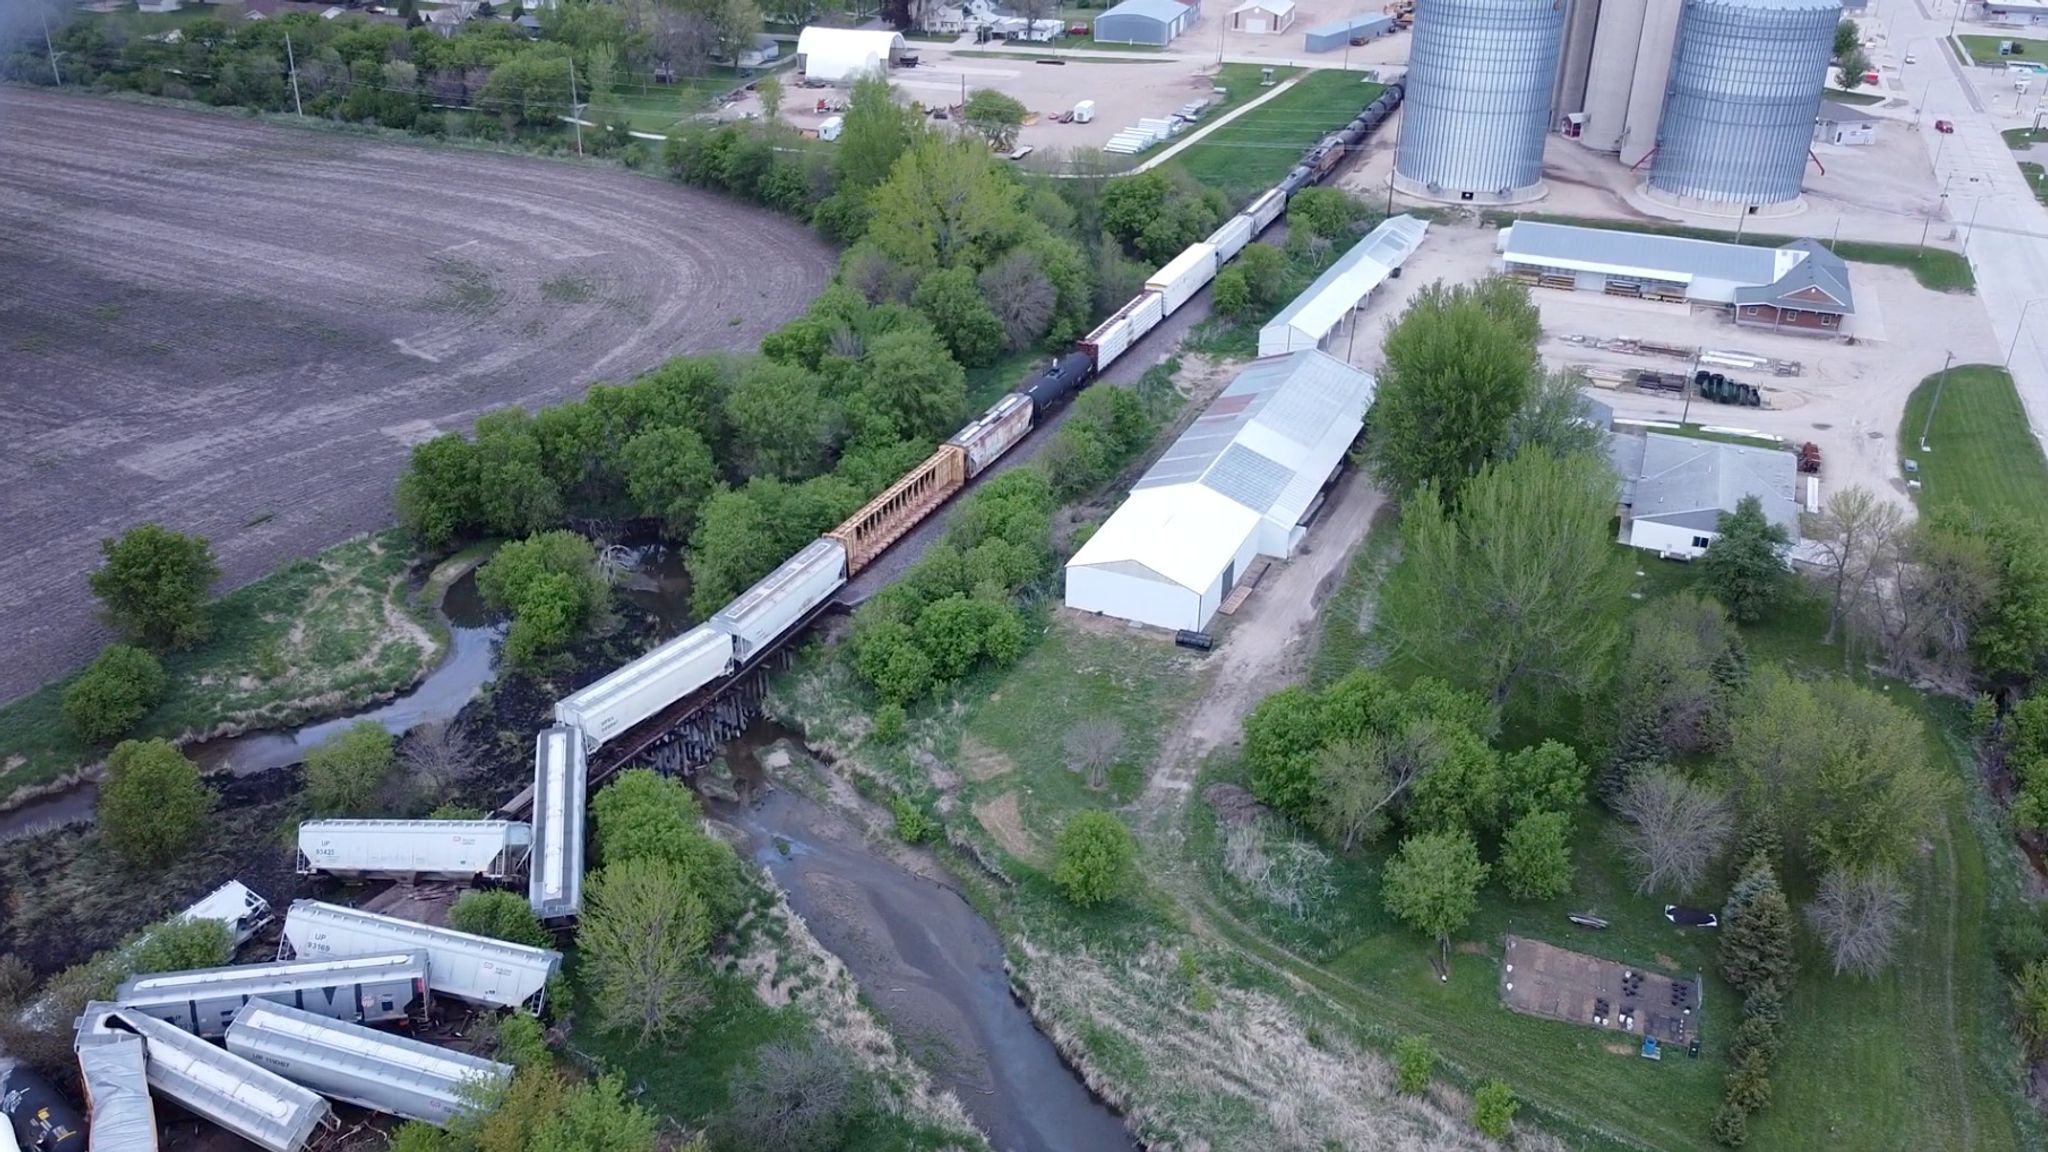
(114, 1069)
(385, 988)
(554, 879)
(256, 1104)
(477, 969)
(458, 850)
(355, 1065)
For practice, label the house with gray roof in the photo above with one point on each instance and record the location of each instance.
(1674, 489)
(1801, 287)
(1844, 124)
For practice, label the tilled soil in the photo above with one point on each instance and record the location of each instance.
(240, 329)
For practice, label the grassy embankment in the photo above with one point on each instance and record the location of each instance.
(2022, 140)
(1979, 449)
(1253, 152)
(320, 637)
(1937, 269)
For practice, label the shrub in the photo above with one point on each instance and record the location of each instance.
(522, 1042)
(1536, 858)
(345, 774)
(1493, 1109)
(1414, 1060)
(1232, 295)
(501, 915)
(890, 722)
(1093, 859)
(114, 692)
(793, 1099)
(913, 826)
(154, 585)
(152, 807)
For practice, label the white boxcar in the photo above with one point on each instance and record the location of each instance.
(782, 598)
(477, 969)
(603, 710)
(244, 912)
(554, 878)
(1266, 209)
(382, 989)
(1115, 335)
(254, 1103)
(414, 849)
(115, 1073)
(992, 433)
(1231, 238)
(353, 1064)
(1183, 276)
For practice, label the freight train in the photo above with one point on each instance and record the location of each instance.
(733, 640)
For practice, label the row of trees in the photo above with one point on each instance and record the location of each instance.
(154, 586)
(1758, 962)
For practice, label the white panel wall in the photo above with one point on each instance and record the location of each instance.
(1664, 539)
(1133, 598)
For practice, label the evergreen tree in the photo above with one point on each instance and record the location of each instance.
(1760, 836)
(1745, 565)
(1756, 932)
(1731, 1126)
(1640, 746)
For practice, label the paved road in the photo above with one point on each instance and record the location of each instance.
(240, 329)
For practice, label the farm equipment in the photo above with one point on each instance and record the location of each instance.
(1649, 381)
(1721, 390)
(1809, 457)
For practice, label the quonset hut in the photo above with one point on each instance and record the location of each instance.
(1478, 100)
(1739, 112)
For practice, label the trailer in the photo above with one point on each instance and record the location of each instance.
(554, 882)
(112, 1068)
(1230, 238)
(455, 850)
(382, 988)
(781, 598)
(1266, 209)
(355, 1065)
(476, 969)
(1183, 276)
(614, 704)
(254, 1103)
(1115, 335)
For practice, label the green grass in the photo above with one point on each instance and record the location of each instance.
(1699, 432)
(2037, 179)
(1984, 50)
(2021, 139)
(1936, 268)
(316, 638)
(1256, 150)
(1863, 99)
(1980, 451)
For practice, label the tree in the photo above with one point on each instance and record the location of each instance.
(1232, 294)
(782, 425)
(1433, 885)
(1557, 417)
(1676, 829)
(435, 757)
(437, 497)
(1455, 375)
(1021, 296)
(1414, 1060)
(346, 773)
(1536, 857)
(645, 816)
(180, 945)
(113, 694)
(1745, 565)
(1870, 794)
(1355, 784)
(945, 204)
(1546, 777)
(1265, 272)
(2009, 634)
(551, 586)
(600, 76)
(1330, 212)
(152, 807)
(2030, 992)
(1854, 67)
(1094, 859)
(876, 132)
(670, 472)
(912, 385)
(1848, 38)
(501, 915)
(1731, 1125)
(769, 89)
(1493, 1109)
(1672, 679)
(1856, 535)
(1158, 213)
(952, 300)
(521, 1041)
(1093, 747)
(153, 586)
(1756, 932)
(1859, 918)
(996, 117)
(643, 935)
(1519, 583)
(795, 1097)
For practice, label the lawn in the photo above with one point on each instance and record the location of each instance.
(2037, 179)
(2021, 139)
(1979, 449)
(317, 638)
(1936, 268)
(1984, 50)
(1254, 151)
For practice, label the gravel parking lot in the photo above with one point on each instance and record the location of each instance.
(240, 329)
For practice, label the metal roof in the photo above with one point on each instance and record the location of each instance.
(465, 966)
(1834, 113)
(555, 874)
(255, 979)
(1375, 21)
(1674, 258)
(1689, 483)
(1353, 277)
(264, 1031)
(1165, 10)
(1276, 7)
(1821, 269)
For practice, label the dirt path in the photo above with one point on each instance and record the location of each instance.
(241, 328)
(1264, 650)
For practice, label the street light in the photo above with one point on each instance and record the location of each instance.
(2018, 328)
(1938, 386)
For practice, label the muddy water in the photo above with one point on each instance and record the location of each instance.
(933, 968)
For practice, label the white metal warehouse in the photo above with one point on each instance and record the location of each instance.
(842, 55)
(1314, 314)
(1239, 483)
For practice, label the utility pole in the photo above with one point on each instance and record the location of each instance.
(2018, 328)
(1938, 386)
(575, 113)
(44, 12)
(1929, 222)
(1970, 229)
(1690, 375)
(292, 62)
(1395, 162)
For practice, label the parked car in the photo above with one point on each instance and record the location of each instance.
(1912, 59)
(1944, 126)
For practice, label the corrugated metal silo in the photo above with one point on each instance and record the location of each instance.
(1745, 88)
(1478, 101)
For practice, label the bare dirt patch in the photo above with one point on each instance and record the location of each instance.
(981, 762)
(1004, 822)
(269, 318)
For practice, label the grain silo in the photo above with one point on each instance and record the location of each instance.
(1477, 108)
(1625, 84)
(1739, 110)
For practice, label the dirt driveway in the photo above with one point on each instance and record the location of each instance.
(240, 329)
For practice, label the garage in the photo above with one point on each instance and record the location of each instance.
(1263, 17)
(1154, 22)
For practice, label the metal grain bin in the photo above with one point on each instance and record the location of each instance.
(1478, 99)
(1745, 88)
